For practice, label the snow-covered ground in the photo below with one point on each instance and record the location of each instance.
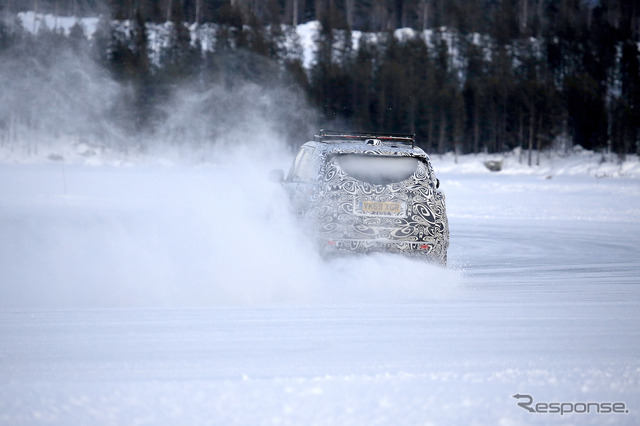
(549, 164)
(147, 293)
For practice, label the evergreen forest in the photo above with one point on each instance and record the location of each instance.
(463, 75)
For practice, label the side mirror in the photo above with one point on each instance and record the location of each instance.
(276, 176)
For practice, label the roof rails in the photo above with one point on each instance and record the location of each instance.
(375, 138)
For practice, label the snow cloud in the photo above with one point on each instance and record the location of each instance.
(181, 214)
(57, 99)
(167, 236)
(51, 95)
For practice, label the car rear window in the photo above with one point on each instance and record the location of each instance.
(377, 169)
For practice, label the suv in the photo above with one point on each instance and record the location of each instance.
(369, 192)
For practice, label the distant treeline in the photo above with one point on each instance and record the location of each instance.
(473, 75)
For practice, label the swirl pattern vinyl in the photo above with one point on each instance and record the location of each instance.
(378, 194)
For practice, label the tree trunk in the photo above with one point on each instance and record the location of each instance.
(425, 14)
(320, 9)
(350, 6)
(521, 135)
(380, 16)
(382, 105)
(441, 137)
(532, 120)
(294, 13)
(538, 140)
(412, 114)
(430, 136)
(476, 124)
(524, 15)
(35, 14)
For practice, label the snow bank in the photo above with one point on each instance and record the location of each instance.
(579, 162)
(575, 162)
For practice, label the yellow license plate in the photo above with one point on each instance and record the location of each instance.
(380, 208)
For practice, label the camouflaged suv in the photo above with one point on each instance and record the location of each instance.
(368, 192)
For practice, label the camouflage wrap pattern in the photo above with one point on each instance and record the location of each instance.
(416, 224)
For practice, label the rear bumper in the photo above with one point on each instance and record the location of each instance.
(428, 250)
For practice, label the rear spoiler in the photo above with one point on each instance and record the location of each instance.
(375, 138)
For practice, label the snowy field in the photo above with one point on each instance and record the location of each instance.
(175, 294)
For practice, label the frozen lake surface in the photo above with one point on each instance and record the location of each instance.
(188, 295)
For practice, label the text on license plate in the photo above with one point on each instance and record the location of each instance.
(383, 208)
